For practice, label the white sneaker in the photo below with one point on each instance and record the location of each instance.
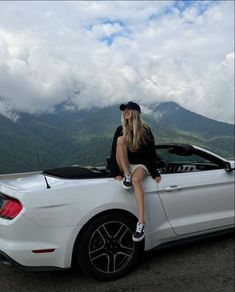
(126, 182)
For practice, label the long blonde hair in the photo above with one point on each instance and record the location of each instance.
(134, 130)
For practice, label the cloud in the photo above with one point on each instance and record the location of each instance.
(86, 53)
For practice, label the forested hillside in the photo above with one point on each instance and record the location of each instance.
(85, 137)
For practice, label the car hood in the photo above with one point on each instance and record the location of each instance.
(26, 181)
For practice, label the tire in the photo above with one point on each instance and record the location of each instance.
(106, 250)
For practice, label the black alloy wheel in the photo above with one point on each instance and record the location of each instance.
(106, 250)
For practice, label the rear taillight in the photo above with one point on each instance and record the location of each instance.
(9, 207)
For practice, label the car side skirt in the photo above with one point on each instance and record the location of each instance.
(191, 239)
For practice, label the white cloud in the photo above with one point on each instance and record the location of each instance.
(84, 53)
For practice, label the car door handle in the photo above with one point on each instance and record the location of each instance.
(173, 188)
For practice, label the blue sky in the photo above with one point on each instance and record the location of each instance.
(185, 4)
(181, 6)
(81, 53)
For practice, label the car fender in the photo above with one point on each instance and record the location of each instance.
(114, 207)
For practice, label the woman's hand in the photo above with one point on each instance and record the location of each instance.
(158, 179)
(118, 177)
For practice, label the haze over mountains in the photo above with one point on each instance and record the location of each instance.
(84, 137)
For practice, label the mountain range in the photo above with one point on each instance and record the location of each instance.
(84, 137)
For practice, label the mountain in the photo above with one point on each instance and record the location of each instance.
(170, 113)
(84, 137)
(194, 128)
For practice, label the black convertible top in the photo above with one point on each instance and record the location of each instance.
(76, 172)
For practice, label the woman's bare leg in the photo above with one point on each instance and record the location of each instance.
(137, 179)
(122, 155)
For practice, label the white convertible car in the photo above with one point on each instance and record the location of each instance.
(75, 215)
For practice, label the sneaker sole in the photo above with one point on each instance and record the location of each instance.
(126, 188)
(137, 239)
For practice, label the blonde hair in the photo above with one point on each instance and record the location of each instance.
(134, 130)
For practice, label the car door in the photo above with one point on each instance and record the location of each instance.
(198, 199)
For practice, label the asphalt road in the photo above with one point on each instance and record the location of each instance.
(206, 265)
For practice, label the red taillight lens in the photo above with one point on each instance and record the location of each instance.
(9, 207)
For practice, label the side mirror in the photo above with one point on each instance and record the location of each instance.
(228, 168)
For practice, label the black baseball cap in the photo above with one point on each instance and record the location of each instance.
(131, 106)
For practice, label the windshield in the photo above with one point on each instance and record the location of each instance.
(187, 155)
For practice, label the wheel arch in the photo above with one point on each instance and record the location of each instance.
(91, 220)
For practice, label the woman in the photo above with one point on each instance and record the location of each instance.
(133, 156)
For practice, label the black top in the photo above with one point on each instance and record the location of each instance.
(146, 155)
(75, 172)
